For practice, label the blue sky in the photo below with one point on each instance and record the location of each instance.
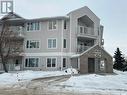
(113, 15)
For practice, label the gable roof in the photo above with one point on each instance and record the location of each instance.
(85, 8)
(11, 15)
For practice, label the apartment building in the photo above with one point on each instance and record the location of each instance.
(56, 43)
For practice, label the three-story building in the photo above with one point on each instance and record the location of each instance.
(56, 43)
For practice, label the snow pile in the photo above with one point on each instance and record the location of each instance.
(71, 71)
(22, 76)
(94, 82)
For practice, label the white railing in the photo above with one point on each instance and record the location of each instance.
(82, 30)
(82, 48)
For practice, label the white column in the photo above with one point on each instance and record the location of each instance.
(78, 63)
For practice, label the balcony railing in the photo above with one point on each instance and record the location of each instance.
(86, 32)
(82, 48)
(17, 31)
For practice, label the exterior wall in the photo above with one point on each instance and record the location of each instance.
(70, 34)
(91, 54)
(66, 35)
(74, 15)
(43, 34)
(43, 63)
(74, 63)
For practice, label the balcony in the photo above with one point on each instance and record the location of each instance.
(82, 48)
(17, 32)
(86, 32)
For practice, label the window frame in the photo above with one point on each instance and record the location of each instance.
(51, 62)
(28, 60)
(33, 26)
(27, 45)
(51, 43)
(52, 26)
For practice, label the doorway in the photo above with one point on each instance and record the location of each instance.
(91, 65)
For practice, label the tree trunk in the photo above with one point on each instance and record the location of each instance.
(5, 68)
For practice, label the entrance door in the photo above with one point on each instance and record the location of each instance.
(91, 65)
(17, 65)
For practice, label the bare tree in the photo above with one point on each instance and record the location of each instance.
(9, 45)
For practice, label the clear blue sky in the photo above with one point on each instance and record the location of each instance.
(113, 15)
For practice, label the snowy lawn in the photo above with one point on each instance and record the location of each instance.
(9, 79)
(94, 82)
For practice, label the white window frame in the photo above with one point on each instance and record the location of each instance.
(51, 62)
(34, 26)
(28, 59)
(52, 25)
(52, 43)
(29, 43)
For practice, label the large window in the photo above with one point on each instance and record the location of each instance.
(52, 43)
(32, 44)
(51, 62)
(52, 25)
(31, 62)
(64, 43)
(33, 26)
(64, 62)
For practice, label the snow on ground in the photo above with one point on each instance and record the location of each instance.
(9, 79)
(93, 82)
(115, 83)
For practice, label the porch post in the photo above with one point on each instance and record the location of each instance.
(78, 63)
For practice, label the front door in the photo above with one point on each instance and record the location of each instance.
(17, 65)
(91, 65)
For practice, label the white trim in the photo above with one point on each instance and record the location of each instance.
(32, 40)
(70, 33)
(52, 22)
(31, 57)
(48, 54)
(51, 62)
(78, 63)
(33, 30)
(52, 39)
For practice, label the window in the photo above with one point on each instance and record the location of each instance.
(52, 25)
(64, 62)
(102, 65)
(33, 26)
(31, 62)
(65, 24)
(64, 43)
(32, 44)
(51, 43)
(51, 62)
